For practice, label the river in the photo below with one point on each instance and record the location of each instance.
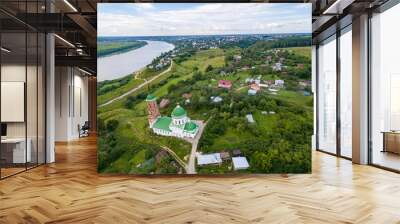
(119, 65)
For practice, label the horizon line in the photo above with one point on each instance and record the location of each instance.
(200, 34)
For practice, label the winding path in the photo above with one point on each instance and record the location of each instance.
(176, 157)
(190, 167)
(137, 87)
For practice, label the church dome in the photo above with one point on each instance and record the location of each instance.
(178, 112)
(150, 97)
(190, 126)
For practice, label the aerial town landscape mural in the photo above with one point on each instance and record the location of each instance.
(204, 88)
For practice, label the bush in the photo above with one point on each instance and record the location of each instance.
(112, 125)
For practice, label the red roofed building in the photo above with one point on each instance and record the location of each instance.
(225, 84)
(255, 86)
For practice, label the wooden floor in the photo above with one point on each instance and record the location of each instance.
(70, 191)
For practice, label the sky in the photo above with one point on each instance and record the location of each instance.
(165, 19)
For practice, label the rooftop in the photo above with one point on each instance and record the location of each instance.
(162, 123)
(240, 163)
(190, 126)
(206, 159)
(250, 118)
(150, 97)
(178, 112)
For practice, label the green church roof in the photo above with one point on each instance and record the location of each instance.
(178, 112)
(190, 126)
(150, 97)
(163, 123)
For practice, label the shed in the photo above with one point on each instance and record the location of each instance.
(164, 103)
(240, 163)
(236, 152)
(225, 155)
(250, 118)
(209, 159)
(251, 92)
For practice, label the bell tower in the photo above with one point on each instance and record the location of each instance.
(152, 109)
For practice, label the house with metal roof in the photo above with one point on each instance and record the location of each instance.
(250, 118)
(209, 159)
(240, 163)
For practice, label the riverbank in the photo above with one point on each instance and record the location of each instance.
(108, 48)
(120, 65)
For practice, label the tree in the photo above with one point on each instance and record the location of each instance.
(112, 125)
(209, 68)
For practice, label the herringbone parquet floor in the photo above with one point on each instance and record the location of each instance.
(70, 191)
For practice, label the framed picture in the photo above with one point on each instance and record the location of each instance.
(204, 88)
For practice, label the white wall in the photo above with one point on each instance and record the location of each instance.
(71, 102)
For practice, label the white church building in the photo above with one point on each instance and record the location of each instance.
(178, 125)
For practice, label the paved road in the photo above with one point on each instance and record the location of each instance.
(191, 167)
(136, 88)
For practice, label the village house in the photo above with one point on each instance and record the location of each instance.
(226, 84)
(255, 87)
(240, 163)
(269, 82)
(252, 80)
(236, 152)
(225, 155)
(245, 68)
(250, 118)
(251, 92)
(249, 80)
(277, 66)
(209, 159)
(237, 57)
(216, 99)
(279, 83)
(164, 103)
(305, 83)
(187, 95)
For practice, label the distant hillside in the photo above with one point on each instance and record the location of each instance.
(105, 48)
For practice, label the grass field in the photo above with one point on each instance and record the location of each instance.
(119, 90)
(134, 123)
(294, 97)
(304, 51)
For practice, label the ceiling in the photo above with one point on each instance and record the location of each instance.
(328, 15)
(74, 22)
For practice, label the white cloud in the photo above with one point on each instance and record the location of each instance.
(144, 5)
(210, 18)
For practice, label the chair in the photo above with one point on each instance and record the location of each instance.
(84, 130)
